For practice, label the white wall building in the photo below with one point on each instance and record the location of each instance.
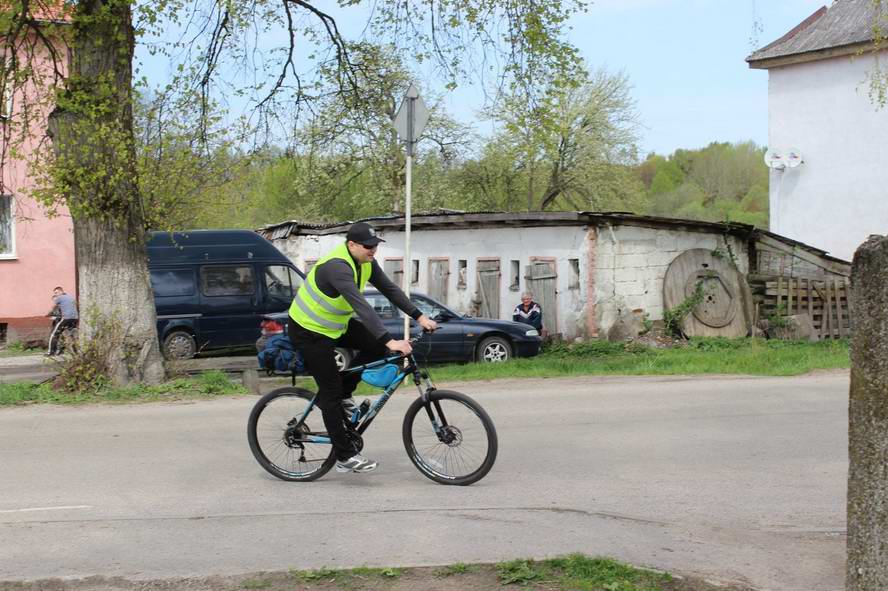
(587, 270)
(819, 103)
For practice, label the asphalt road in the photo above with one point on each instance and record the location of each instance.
(735, 479)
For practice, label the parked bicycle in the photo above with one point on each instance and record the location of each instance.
(448, 436)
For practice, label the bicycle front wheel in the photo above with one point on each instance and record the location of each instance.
(283, 429)
(451, 440)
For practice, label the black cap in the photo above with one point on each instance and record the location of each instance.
(363, 233)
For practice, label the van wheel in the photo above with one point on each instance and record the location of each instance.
(179, 345)
(343, 358)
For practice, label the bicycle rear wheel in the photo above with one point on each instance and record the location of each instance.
(280, 438)
(451, 440)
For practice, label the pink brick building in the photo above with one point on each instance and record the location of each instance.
(36, 251)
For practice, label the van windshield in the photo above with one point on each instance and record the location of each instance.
(281, 283)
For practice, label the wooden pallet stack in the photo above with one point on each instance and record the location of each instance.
(826, 301)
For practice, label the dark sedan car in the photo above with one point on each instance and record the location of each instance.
(458, 338)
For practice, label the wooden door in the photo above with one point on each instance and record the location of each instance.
(394, 268)
(439, 279)
(540, 278)
(488, 293)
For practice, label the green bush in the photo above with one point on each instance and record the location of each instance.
(717, 343)
(596, 348)
(215, 382)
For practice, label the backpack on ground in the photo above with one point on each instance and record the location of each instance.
(278, 356)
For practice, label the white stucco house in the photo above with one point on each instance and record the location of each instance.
(588, 270)
(819, 103)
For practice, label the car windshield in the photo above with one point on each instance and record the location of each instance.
(386, 310)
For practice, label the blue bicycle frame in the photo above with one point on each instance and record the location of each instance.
(363, 421)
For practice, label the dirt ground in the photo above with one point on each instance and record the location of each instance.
(476, 578)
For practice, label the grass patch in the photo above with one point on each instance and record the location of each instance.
(345, 577)
(580, 572)
(700, 356)
(18, 349)
(209, 384)
(460, 568)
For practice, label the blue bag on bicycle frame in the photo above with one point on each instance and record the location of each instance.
(381, 377)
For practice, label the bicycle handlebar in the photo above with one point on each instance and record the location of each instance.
(415, 339)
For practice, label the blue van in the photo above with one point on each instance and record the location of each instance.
(212, 287)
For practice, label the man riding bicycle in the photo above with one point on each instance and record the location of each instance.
(322, 318)
(64, 311)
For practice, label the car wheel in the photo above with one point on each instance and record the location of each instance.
(494, 350)
(343, 358)
(179, 345)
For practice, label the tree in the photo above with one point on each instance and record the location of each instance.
(574, 146)
(93, 168)
(721, 182)
(351, 139)
(878, 77)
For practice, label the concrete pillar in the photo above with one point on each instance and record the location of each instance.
(251, 381)
(867, 566)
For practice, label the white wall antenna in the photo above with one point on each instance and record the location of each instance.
(793, 157)
(774, 159)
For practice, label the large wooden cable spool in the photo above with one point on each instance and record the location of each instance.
(724, 309)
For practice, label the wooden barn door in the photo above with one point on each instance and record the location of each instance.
(394, 268)
(489, 288)
(439, 279)
(540, 278)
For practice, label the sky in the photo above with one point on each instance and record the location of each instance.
(686, 62)
(683, 58)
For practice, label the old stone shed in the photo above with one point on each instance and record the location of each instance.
(588, 270)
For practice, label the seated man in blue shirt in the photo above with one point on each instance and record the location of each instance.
(529, 312)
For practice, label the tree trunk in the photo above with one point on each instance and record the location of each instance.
(95, 171)
(867, 566)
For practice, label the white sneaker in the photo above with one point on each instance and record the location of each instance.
(356, 463)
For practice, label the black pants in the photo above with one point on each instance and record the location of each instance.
(317, 352)
(57, 332)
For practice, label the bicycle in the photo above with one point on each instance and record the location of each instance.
(61, 339)
(283, 439)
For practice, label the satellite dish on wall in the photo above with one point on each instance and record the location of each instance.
(774, 159)
(793, 157)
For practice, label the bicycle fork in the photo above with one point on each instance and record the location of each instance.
(439, 423)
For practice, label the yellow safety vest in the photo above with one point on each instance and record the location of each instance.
(319, 313)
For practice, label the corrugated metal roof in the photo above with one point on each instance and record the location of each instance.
(845, 23)
(449, 220)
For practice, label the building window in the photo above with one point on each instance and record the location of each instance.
(7, 227)
(3, 329)
(573, 281)
(515, 273)
(414, 271)
(461, 272)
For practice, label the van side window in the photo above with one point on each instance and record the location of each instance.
(171, 282)
(280, 282)
(227, 280)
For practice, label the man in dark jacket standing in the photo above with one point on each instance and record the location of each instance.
(322, 318)
(529, 312)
